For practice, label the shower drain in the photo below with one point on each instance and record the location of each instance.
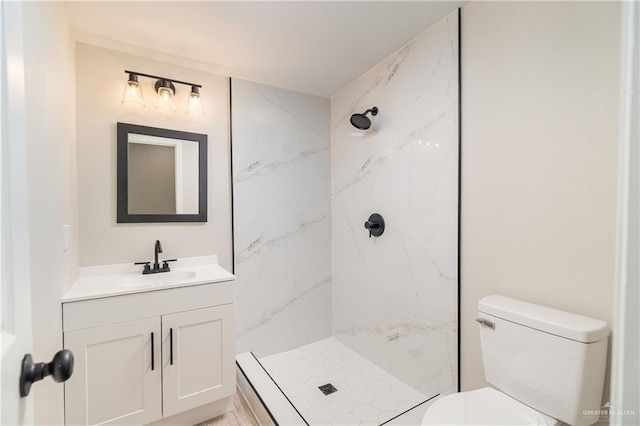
(327, 389)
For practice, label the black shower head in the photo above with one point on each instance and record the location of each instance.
(361, 121)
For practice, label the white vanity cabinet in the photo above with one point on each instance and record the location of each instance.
(114, 382)
(150, 356)
(194, 371)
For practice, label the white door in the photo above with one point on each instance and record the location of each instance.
(197, 356)
(118, 374)
(15, 308)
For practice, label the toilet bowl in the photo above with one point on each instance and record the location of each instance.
(485, 406)
(546, 366)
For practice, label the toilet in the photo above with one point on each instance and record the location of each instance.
(547, 367)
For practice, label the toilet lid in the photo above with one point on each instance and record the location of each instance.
(485, 406)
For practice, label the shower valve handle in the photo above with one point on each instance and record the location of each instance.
(371, 226)
(375, 225)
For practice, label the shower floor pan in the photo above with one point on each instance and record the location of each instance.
(326, 383)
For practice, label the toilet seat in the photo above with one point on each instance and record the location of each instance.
(485, 406)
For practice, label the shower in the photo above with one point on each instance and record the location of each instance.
(361, 121)
(336, 328)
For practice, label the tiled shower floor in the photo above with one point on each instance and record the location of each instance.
(366, 394)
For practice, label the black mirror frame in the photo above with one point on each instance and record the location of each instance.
(123, 215)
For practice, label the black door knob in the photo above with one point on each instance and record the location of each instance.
(60, 368)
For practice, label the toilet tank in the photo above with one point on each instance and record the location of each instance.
(550, 360)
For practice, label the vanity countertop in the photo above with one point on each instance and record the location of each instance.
(126, 278)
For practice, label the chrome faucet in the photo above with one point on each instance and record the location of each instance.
(157, 249)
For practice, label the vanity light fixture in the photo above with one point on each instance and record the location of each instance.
(166, 90)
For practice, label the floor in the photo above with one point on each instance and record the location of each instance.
(364, 393)
(241, 415)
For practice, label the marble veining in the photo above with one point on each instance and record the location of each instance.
(414, 241)
(282, 217)
(261, 243)
(270, 314)
(395, 65)
(395, 297)
(371, 164)
(258, 169)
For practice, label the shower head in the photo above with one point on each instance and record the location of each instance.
(361, 121)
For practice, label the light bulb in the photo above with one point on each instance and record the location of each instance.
(133, 92)
(195, 107)
(165, 95)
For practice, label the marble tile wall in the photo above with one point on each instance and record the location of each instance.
(282, 217)
(395, 297)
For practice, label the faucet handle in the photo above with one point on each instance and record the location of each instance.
(165, 263)
(147, 267)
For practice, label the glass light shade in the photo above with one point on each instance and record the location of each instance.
(165, 96)
(133, 92)
(195, 107)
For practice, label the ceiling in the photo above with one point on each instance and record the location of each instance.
(312, 47)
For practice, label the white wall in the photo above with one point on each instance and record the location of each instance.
(395, 296)
(100, 80)
(539, 149)
(282, 217)
(625, 375)
(51, 156)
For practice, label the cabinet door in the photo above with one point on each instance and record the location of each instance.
(113, 381)
(197, 357)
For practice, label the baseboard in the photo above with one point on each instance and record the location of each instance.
(198, 414)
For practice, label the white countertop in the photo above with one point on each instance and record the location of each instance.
(114, 280)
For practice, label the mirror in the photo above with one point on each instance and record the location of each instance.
(162, 175)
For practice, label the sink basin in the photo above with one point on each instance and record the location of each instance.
(158, 279)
